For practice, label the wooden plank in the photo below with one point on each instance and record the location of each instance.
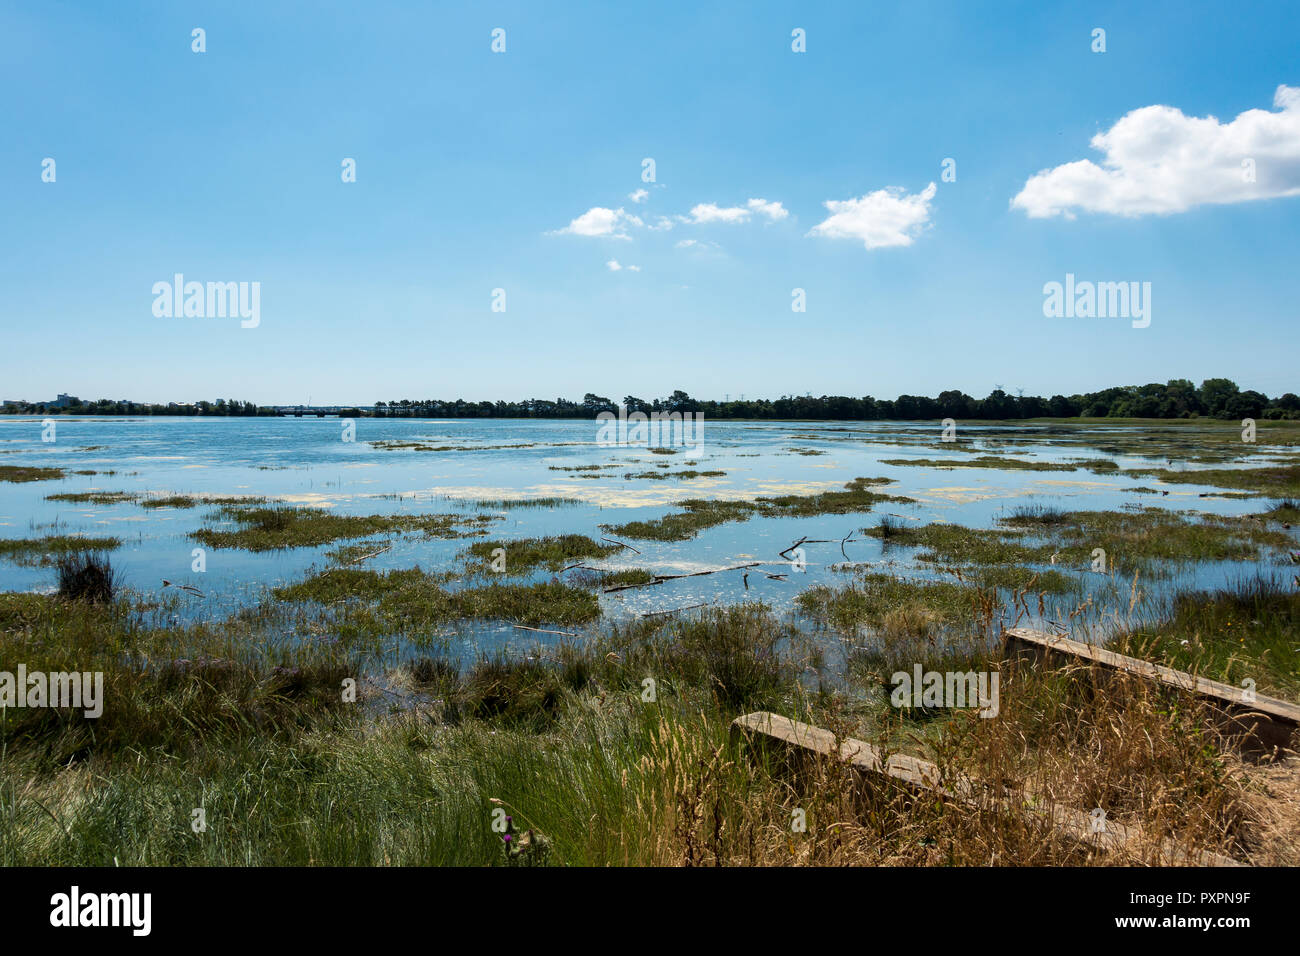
(795, 737)
(1269, 721)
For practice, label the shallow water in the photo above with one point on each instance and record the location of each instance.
(306, 461)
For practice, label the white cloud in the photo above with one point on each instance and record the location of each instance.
(886, 217)
(706, 212)
(615, 266)
(696, 244)
(599, 221)
(1156, 160)
(711, 212)
(773, 210)
(641, 195)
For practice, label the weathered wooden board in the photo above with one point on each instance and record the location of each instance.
(766, 729)
(1269, 721)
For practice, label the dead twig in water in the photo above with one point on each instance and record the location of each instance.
(542, 630)
(183, 587)
(689, 607)
(661, 578)
(620, 544)
(628, 587)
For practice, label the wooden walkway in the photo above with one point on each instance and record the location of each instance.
(1266, 720)
(766, 730)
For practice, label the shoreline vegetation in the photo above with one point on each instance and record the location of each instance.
(1178, 399)
(350, 716)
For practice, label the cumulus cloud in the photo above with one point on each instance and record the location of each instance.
(886, 217)
(615, 266)
(707, 212)
(1156, 160)
(773, 210)
(599, 221)
(712, 212)
(602, 222)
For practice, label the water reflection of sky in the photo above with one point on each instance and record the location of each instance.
(307, 462)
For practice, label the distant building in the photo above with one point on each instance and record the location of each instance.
(63, 401)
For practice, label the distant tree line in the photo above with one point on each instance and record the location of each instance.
(1179, 398)
(108, 406)
(1219, 398)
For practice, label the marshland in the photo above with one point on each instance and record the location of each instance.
(355, 651)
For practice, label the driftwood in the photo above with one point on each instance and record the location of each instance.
(189, 588)
(689, 607)
(620, 544)
(661, 578)
(542, 630)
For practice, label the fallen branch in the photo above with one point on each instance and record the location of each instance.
(620, 544)
(689, 607)
(628, 587)
(542, 630)
(661, 578)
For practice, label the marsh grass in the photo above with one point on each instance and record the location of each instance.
(412, 602)
(20, 473)
(699, 514)
(165, 690)
(553, 552)
(87, 576)
(1286, 511)
(45, 551)
(985, 461)
(508, 504)
(189, 501)
(95, 497)
(566, 742)
(686, 475)
(1250, 629)
(1144, 536)
(1274, 480)
(275, 527)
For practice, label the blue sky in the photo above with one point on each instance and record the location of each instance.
(225, 166)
